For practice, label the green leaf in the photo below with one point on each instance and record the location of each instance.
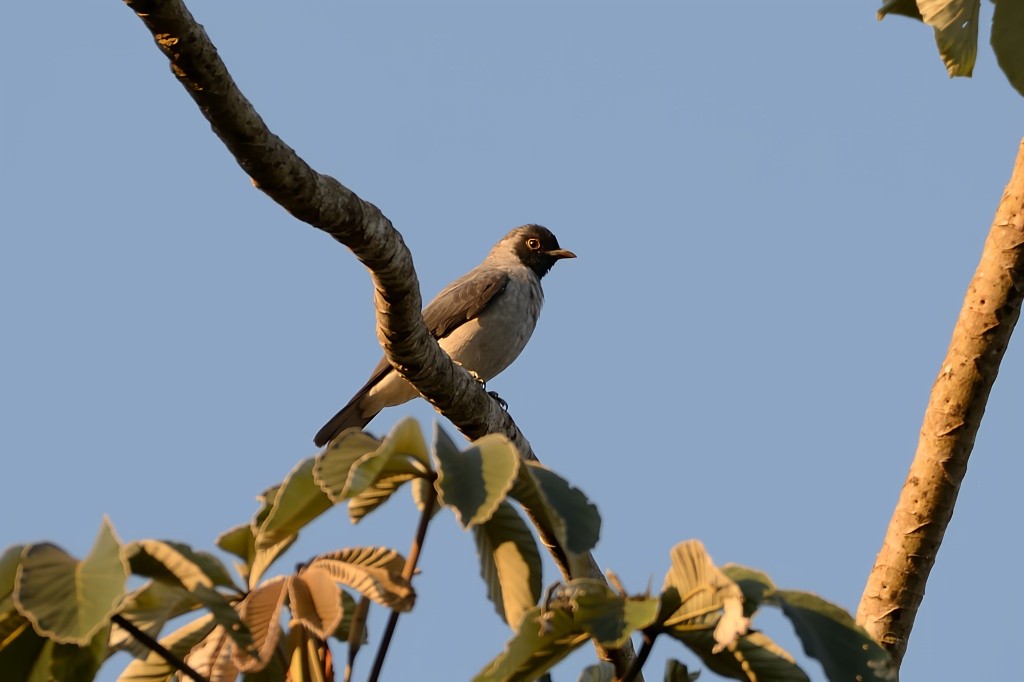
(474, 482)
(240, 541)
(348, 610)
(956, 32)
(609, 617)
(180, 642)
(1007, 41)
(149, 608)
(176, 562)
(754, 585)
(404, 445)
(543, 639)
(907, 8)
(70, 663)
(830, 635)
(753, 657)
(391, 477)
(677, 672)
(266, 556)
(698, 597)
(225, 614)
(334, 464)
(9, 562)
(560, 508)
(602, 672)
(375, 572)
(22, 650)
(510, 563)
(298, 501)
(67, 600)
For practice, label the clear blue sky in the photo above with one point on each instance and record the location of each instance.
(777, 209)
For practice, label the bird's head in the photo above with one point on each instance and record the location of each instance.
(535, 247)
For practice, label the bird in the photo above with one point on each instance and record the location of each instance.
(483, 320)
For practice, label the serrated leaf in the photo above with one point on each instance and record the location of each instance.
(845, 650)
(510, 563)
(167, 560)
(149, 608)
(261, 613)
(68, 600)
(154, 668)
(372, 571)
(334, 464)
(316, 602)
(298, 501)
(562, 509)
(474, 482)
(677, 672)
(543, 639)
(754, 585)
(395, 474)
(402, 451)
(213, 657)
(1007, 29)
(602, 672)
(753, 657)
(697, 596)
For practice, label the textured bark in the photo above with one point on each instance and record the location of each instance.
(324, 203)
(991, 308)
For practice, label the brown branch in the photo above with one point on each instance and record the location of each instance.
(991, 308)
(326, 204)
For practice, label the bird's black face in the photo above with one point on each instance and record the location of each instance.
(538, 249)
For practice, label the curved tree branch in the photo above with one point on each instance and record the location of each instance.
(324, 203)
(991, 308)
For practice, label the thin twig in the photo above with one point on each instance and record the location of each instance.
(638, 663)
(157, 647)
(407, 573)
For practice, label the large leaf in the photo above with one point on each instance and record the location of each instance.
(309, 658)
(261, 613)
(1007, 42)
(213, 657)
(375, 572)
(543, 639)
(956, 28)
(391, 477)
(315, 602)
(334, 464)
(560, 508)
(403, 446)
(753, 657)
(24, 654)
(829, 634)
(510, 563)
(474, 482)
(697, 596)
(754, 585)
(176, 562)
(67, 600)
(9, 562)
(241, 541)
(298, 501)
(154, 668)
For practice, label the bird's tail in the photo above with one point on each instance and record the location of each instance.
(348, 417)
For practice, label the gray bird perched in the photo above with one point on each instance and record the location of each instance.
(482, 320)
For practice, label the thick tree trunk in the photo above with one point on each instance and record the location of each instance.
(896, 584)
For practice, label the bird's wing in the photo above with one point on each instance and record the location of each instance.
(463, 300)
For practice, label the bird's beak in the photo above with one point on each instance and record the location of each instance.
(560, 253)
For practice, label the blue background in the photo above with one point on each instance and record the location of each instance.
(777, 209)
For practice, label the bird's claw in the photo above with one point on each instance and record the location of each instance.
(501, 401)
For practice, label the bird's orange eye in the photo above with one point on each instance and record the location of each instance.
(533, 243)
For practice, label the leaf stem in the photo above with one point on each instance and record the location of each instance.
(407, 573)
(157, 647)
(638, 663)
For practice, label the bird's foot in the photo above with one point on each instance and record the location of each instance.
(501, 401)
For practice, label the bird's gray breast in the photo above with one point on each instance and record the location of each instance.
(490, 342)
